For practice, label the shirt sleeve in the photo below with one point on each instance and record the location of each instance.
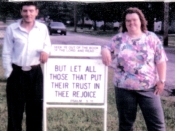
(113, 47)
(160, 55)
(114, 44)
(7, 51)
(47, 42)
(111, 44)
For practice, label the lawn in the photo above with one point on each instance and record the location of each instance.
(60, 119)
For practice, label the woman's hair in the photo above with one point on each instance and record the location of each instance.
(139, 13)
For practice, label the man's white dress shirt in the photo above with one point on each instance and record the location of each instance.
(23, 48)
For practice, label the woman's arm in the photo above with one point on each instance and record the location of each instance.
(161, 69)
(106, 56)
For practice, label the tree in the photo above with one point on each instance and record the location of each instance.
(9, 9)
(75, 17)
(102, 12)
(57, 11)
(81, 7)
(112, 11)
(166, 23)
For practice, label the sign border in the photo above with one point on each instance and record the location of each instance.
(65, 105)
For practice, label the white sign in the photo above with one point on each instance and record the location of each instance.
(75, 80)
(76, 50)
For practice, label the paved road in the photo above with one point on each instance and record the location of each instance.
(170, 79)
(74, 38)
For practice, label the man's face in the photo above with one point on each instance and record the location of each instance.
(29, 13)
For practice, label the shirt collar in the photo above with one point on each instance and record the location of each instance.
(18, 25)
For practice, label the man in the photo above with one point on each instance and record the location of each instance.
(26, 45)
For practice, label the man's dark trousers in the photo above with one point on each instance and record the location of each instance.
(25, 93)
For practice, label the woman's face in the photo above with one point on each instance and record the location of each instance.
(133, 23)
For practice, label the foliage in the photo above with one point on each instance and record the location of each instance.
(112, 11)
(9, 9)
(108, 12)
(171, 11)
(3, 0)
(57, 11)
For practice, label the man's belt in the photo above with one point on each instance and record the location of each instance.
(25, 68)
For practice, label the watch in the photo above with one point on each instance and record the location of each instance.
(162, 81)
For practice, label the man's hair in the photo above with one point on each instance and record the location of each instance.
(29, 4)
(141, 17)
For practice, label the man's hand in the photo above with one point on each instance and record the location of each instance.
(159, 88)
(106, 57)
(43, 57)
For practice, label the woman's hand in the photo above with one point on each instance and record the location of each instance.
(159, 88)
(106, 57)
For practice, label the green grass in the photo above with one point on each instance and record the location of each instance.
(3, 108)
(75, 119)
(63, 119)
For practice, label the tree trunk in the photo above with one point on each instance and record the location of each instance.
(104, 27)
(166, 23)
(82, 18)
(95, 25)
(75, 17)
(4, 18)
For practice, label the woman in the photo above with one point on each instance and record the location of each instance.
(139, 72)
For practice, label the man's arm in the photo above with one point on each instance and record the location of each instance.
(7, 52)
(46, 48)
